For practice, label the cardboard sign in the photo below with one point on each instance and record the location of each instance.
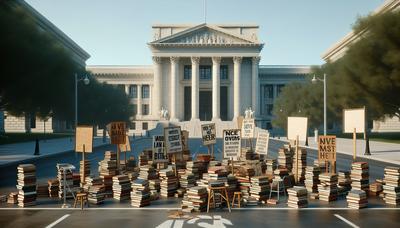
(117, 132)
(209, 134)
(239, 120)
(126, 146)
(354, 119)
(185, 139)
(248, 128)
(297, 126)
(232, 143)
(84, 138)
(173, 139)
(327, 148)
(262, 142)
(159, 154)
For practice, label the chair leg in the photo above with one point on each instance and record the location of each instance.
(278, 191)
(209, 199)
(227, 200)
(82, 203)
(75, 202)
(239, 200)
(233, 200)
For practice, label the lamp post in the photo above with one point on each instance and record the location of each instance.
(86, 81)
(314, 81)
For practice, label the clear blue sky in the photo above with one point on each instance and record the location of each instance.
(116, 32)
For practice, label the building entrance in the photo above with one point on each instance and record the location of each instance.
(205, 105)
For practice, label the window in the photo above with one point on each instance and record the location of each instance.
(145, 126)
(268, 92)
(224, 72)
(32, 119)
(187, 72)
(133, 91)
(134, 109)
(205, 72)
(133, 126)
(145, 91)
(145, 109)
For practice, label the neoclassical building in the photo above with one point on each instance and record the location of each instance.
(201, 73)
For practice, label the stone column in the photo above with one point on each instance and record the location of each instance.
(174, 87)
(195, 87)
(157, 92)
(127, 89)
(216, 88)
(255, 87)
(139, 100)
(237, 60)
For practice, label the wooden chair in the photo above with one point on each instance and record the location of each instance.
(237, 196)
(82, 197)
(217, 190)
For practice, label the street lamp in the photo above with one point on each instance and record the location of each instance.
(314, 80)
(86, 81)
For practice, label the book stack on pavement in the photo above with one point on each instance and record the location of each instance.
(84, 170)
(12, 198)
(297, 197)
(42, 190)
(259, 187)
(95, 188)
(232, 185)
(244, 186)
(140, 195)
(327, 189)
(271, 166)
(3, 199)
(195, 199)
(360, 176)
(143, 160)
(193, 167)
(187, 180)
(218, 173)
(391, 189)
(26, 185)
(357, 199)
(312, 178)
(344, 185)
(148, 172)
(300, 165)
(54, 186)
(169, 182)
(121, 187)
(285, 159)
(375, 189)
(108, 166)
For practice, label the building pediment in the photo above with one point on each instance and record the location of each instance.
(205, 34)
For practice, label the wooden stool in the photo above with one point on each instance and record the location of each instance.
(82, 197)
(222, 192)
(238, 196)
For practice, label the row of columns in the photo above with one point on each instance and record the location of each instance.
(139, 98)
(174, 86)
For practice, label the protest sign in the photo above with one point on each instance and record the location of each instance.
(232, 143)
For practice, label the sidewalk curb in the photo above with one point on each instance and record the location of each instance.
(358, 156)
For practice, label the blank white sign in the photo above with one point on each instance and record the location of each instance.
(297, 126)
(354, 118)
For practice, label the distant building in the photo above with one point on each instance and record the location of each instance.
(339, 49)
(29, 123)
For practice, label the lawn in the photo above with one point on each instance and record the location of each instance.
(8, 138)
(381, 137)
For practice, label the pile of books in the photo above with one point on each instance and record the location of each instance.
(169, 182)
(357, 199)
(121, 187)
(108, 166)
(297, 197)
(244, 186)
(95, 187)
(68, 182)
(391, 189)
(143, 160)
(271, 166)
(147, 172)
(217, 173)
(285, 158)
(360, 176)
(154, 186)
(193, 167)
(231, 185)
(187, 180)
(344, 185)
(327, 189)
(202, 163)
(26, 185)
(259, 187)
(248, 154)
(195, 199)
(84, 170)
(375, 189)
(42, 190)
(90, 181)
(312, 178)
(54, 186)
(140, 195)
(12, 198)
(300, 165)
(3, 198)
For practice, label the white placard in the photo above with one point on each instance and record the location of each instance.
(354, 118)
(262, 142)
(173, 139)
(159, 154)
(248, 128)
(209, 134)
(232, 143)
(297, 126)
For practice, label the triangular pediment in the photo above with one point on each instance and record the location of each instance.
(205, 34)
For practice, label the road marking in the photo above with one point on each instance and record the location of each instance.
(58, 221)
(346, 221)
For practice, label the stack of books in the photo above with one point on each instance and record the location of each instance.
(42, 190)
(203, 161)
(327, 189)
(26, 185)
(375, 189)
(140, 195)
(217, 173)
(259, 188)
(195, 199)
(244, 186)
(285, 158)
(121, 187)
(169, 182)
(108, 166)
(84, 170)
(155, 187)
(68, 182)
(271, 166)
(312, 178)
(391, 189)
(95, 188)
(344, 182)
(54, 186)
(297, 197)
(143, 160)
(3, 199)
(90, 181)
(301, 165)
(248, 154)
(360, 176)
(193, 168)
(12, 198)
(357, 199)
(147, 172)
(231, 185)
(187, 180)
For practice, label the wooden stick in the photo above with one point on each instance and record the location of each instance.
(118, 158)
(126, 151)
(232, 164)
(83, 166)
(297, 158)
(354, 144)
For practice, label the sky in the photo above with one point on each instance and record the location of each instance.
(295, 32)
